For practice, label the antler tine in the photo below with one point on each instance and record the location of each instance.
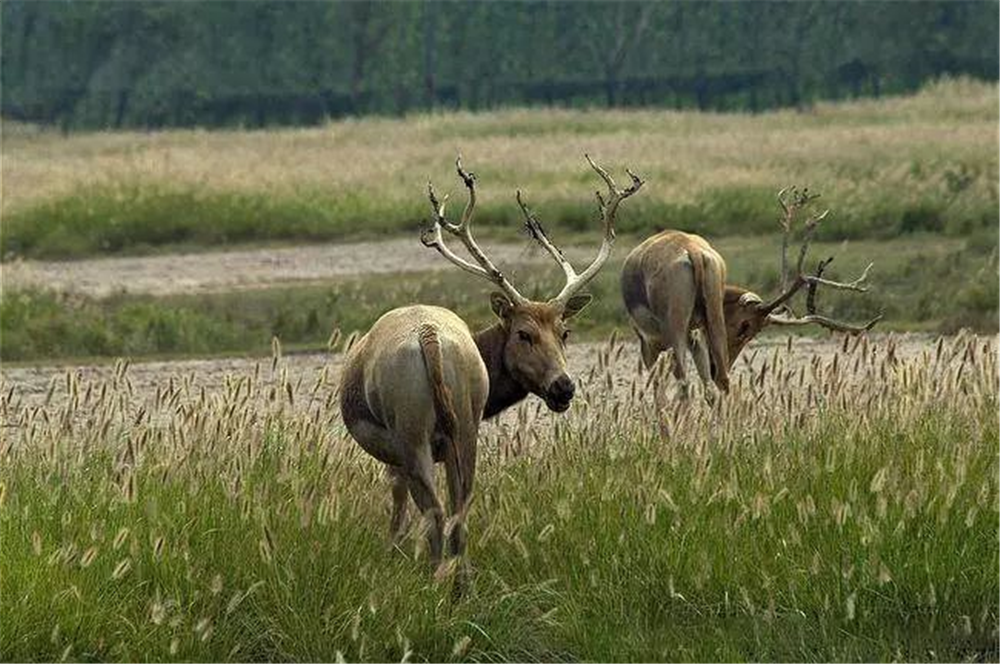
(603, 173)
(828, 323)
(608, 208)
(781, 200)
(534, 228)
(432, 237)
(437, 206)
(469, 179)
(858, 284)
(799, 200)
(811, 294)
(811, 225)
(786, 228)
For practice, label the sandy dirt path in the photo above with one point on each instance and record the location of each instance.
(243, 269)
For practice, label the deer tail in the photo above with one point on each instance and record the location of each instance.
(710, 278)
(444, 406)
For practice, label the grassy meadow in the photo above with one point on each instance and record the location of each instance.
(910, 275)
(840, 504)
(911, 181)
(829, 509)
(922, 163)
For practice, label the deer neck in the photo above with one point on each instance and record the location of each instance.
(504, 390)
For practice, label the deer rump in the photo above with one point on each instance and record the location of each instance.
(417, 372)
(672, 284)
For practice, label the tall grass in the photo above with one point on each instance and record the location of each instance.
(831, 508)
(919, 163)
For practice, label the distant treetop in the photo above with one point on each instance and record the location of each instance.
(95, 65)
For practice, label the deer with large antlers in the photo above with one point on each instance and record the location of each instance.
(416, 386)
(675, 291)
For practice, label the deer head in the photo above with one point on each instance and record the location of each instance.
(747, 313)
(530, 336)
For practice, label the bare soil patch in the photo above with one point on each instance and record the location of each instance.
(244, 269)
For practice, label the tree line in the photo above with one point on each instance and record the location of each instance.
(83, 64)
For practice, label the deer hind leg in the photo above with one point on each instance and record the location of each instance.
(672, 303)
(460, 481)
(460, 467)
(646, 329)
(400, 500)
(679, 344)
(699, 349)
(649, 349)
(420, 479)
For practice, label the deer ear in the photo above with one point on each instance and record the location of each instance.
(501, 306)
(576, 304)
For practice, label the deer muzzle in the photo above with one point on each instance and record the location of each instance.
(560, 393)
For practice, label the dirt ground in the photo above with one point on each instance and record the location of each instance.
(250, 268)
(32, 386)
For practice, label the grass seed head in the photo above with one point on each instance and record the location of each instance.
(121, 569)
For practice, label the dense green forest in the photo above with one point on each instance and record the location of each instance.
(83, 64)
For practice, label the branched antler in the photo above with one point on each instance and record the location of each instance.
(433, 237)
(608, 208)
(793, 201)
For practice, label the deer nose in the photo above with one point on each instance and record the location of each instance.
(562, 388)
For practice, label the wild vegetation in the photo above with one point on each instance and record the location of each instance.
(828, 509)
(923, 163)
(836, 505)
(909, 277)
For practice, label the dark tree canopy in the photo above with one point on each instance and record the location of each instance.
(85, 64)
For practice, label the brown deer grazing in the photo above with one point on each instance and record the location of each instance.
(675, 291)
(416, 386)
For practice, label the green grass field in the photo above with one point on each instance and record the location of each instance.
(837, 505)
(924, 163)
(907, 284)
(855, 520)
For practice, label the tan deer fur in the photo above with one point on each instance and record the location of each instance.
(417, 385)
(674, 289)
(412, 394)
(673, 285)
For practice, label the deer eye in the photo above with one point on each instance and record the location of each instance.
(524, 336)
(744, 329)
